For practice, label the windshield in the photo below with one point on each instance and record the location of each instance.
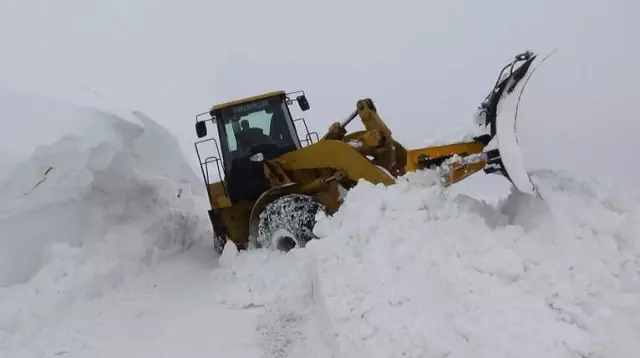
(247, 125)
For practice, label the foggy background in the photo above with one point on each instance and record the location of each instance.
(427, 65)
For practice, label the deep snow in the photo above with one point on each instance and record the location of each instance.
(418, 272)
(105, 250)
(414, 270)
(88, 190)
(111, 255)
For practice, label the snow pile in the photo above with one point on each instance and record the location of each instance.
(416, 270)
(83, 214)
(410, 270)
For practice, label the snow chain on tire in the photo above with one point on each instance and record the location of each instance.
(288, 222)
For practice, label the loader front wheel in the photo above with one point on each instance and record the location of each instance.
(288, 222)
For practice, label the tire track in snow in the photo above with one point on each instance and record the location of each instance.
(283, 287)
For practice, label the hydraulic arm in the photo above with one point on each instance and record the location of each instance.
(377, 143)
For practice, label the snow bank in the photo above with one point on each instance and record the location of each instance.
(416, 270)
(410, 270)
(84, 213)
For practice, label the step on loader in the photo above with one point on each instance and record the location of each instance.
(271, 182)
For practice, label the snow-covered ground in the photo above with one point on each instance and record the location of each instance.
(105, 251)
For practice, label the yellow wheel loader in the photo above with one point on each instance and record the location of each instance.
(271, 182)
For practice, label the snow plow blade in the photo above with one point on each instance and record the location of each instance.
(495, 149)
(498, 114)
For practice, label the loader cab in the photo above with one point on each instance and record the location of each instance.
(251, 131)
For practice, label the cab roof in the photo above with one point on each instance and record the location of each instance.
(247, 99)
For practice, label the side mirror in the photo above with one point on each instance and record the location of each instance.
(201, 129)
(303, 103)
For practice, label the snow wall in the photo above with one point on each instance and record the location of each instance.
(82, 213)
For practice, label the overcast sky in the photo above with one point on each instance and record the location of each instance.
(426, 64)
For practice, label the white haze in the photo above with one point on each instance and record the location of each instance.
(427, 65)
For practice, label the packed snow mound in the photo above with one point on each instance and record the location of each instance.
(414, 270)
(83, 213)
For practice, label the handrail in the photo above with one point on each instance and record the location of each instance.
(307, 139)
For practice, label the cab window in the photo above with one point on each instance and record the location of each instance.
(255, 123)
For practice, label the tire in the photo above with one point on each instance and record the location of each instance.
(288, 222)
